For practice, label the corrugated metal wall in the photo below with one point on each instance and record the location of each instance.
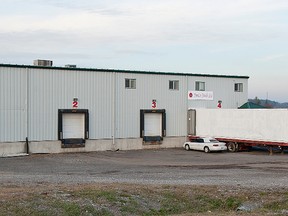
(130, 101)
(13, 104)
(51, 90)
(222, 88)
(113, 109)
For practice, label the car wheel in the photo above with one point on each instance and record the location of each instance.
(187, 147)
(206, 149)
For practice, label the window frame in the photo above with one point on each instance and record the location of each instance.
(130, 83)
(198, 85)
(174, 85)
(238, 87)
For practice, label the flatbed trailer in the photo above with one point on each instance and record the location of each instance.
(235, 145)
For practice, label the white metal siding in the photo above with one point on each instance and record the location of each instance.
(112, 107)
(129, 102)
(222, 88)
(13, 104)
(55, 89)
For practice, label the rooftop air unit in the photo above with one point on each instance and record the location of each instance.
(70, 66)
(46, 63)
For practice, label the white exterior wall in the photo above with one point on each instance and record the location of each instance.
(31, 97)
(13, 104)
(51, 90)
(149, 87)
(251, 124)
(222, 88)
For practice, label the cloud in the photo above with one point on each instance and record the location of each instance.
(183, 21)
(271, 58)
(128, 26)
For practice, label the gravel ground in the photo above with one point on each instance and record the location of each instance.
(166, 166)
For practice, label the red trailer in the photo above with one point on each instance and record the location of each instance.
(235, 145)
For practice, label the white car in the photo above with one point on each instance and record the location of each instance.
(205, 144)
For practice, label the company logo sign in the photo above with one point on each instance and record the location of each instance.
(200, 95)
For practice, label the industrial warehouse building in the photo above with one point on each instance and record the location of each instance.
(47, 109)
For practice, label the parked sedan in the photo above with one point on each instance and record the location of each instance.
(205, 144)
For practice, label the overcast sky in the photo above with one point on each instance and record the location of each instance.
(228, 37)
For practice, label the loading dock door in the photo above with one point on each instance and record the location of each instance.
(153, 124)
(73, 126)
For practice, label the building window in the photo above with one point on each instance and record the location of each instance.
(200, 86)
(174, 84)
(238, 87)
(130, 83)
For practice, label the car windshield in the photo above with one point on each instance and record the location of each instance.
(214, 140)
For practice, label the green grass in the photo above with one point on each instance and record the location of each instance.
(117, 199)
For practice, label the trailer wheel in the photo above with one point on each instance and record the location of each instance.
(232, 147)
(206, 149)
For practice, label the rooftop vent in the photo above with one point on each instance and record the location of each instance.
(46, 63)
(70, 66)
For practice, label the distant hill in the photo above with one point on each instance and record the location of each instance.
(269, 103)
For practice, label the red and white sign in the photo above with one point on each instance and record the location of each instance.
(200, 95)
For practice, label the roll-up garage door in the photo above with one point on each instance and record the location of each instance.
(153, 124)
(73, 126)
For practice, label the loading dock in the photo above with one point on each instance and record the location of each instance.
(153, 125)
(73, 127)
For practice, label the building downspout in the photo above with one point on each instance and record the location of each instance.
(27, 145)
(113, 111)
(27, 110)
(187, 105)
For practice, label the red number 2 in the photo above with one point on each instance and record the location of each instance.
(75, 104)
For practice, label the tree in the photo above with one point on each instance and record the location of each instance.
(257, 101)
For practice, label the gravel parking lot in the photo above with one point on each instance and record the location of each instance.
(166, 166)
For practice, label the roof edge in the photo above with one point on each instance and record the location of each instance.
(123, 71)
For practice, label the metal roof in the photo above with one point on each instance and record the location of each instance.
(122, 71)
(251, 105)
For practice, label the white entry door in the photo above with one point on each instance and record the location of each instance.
(153, 124)
(73, 125)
